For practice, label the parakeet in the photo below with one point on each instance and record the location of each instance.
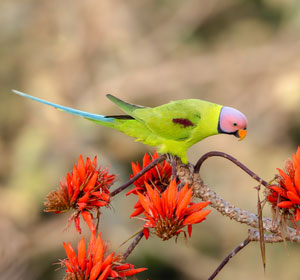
(173, 127)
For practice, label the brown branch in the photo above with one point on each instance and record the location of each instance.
(232, 254)
(203, 192)
(254, 235)
(134, 243)
(174, 169)
(137, 176)
(232, 159)
(98, 221)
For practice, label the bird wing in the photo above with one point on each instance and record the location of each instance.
(178, 120)
(175, 120)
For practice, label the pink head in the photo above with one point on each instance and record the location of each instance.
(233, 122)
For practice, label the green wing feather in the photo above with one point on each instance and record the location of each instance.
(125, 106)
(161, 120)
(168, 121)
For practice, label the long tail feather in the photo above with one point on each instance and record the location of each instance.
(87, 115)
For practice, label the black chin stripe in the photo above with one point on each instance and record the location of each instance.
(219, 125)
(235, 133)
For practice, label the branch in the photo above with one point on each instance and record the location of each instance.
(232, 254)
(254, 235)
(137, 176)
(134, 243)
(203, 192)
(232, 159)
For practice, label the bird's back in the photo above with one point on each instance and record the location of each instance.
(178, 120)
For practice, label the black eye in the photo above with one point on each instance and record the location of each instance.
(234, 124)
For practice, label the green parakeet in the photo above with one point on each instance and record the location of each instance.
(173, 127)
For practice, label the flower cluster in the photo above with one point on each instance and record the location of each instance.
(170, 211)
(85, 189)
(167, 211)
(159, 176)
(286, 194)
(94, 263)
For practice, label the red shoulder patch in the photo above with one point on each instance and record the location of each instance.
(184, 122)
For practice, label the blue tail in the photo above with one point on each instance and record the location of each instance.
(87, 115)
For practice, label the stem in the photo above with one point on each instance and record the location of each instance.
(232, 159)
(98, 221)
(174, 169)
(261, 230)
(253, 235)
(134, 243)
(232, 254)
(141, 173)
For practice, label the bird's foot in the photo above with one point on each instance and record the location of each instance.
(173, 160)
(169, 157)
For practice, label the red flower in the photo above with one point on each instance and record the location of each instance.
(286, 195)
(170, 211)
(94, 263)
(86, 189)
(159, 176)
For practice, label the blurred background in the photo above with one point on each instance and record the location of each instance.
(239, 53)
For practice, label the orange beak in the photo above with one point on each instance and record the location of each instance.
(242, 134)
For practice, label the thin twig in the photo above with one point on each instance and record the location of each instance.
(98, 220)
(232, 159)
(232, 254)
(141, 173)
(133, 245)
(174, 169)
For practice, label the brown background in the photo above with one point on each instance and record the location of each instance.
(244, 54)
